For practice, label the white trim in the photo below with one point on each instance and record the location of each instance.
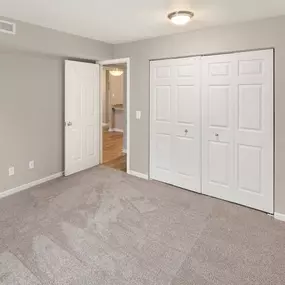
(102, 88)
(117, 130)
(280, 217)
(105, 124)
(124, 150)
(128, 109)
(30, 185)
(138, 174)
(114, 61)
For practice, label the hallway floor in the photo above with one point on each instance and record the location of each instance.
(113, 155)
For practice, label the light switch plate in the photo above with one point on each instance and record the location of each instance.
(11, 171)
(138, 115)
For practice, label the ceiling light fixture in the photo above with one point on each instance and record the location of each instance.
(180, 18)
(116, 72)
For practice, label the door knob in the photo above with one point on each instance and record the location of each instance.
(186, 132)
(69, 124)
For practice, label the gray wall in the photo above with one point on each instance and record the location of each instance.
(31, 99)
(33, 38)
(31, 117)
(252, 35)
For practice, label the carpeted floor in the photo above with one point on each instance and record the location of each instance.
(102, 227)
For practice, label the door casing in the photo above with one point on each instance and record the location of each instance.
(102, 64)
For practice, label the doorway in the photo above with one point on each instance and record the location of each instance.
(114, 114)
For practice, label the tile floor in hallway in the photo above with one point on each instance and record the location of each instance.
(103, 226)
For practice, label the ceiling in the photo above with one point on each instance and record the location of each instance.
(117, 21)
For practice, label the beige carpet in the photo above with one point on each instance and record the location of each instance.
(105, 227)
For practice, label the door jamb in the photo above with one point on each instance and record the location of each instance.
(128, 109)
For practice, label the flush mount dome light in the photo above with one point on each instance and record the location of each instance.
(116, 72)
(180, 18)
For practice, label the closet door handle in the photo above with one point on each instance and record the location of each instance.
(186, 132)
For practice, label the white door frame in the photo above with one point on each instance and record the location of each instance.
(114, 62)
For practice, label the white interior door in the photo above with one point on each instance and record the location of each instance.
(82, 127)
(175, 122)
(237, 123)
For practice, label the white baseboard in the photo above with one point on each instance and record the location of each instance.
(105, 124)
(117, 130)
(137, 174)
(29, 185)
(280, 217)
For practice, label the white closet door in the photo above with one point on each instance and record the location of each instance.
(254, 130)
(161, 109)
(175, 122)
(238, 128)
(186, 144)
(218, 124)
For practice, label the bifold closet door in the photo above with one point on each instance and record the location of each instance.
(237, 128)
(175, 155)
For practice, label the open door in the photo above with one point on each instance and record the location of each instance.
(82, 120)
